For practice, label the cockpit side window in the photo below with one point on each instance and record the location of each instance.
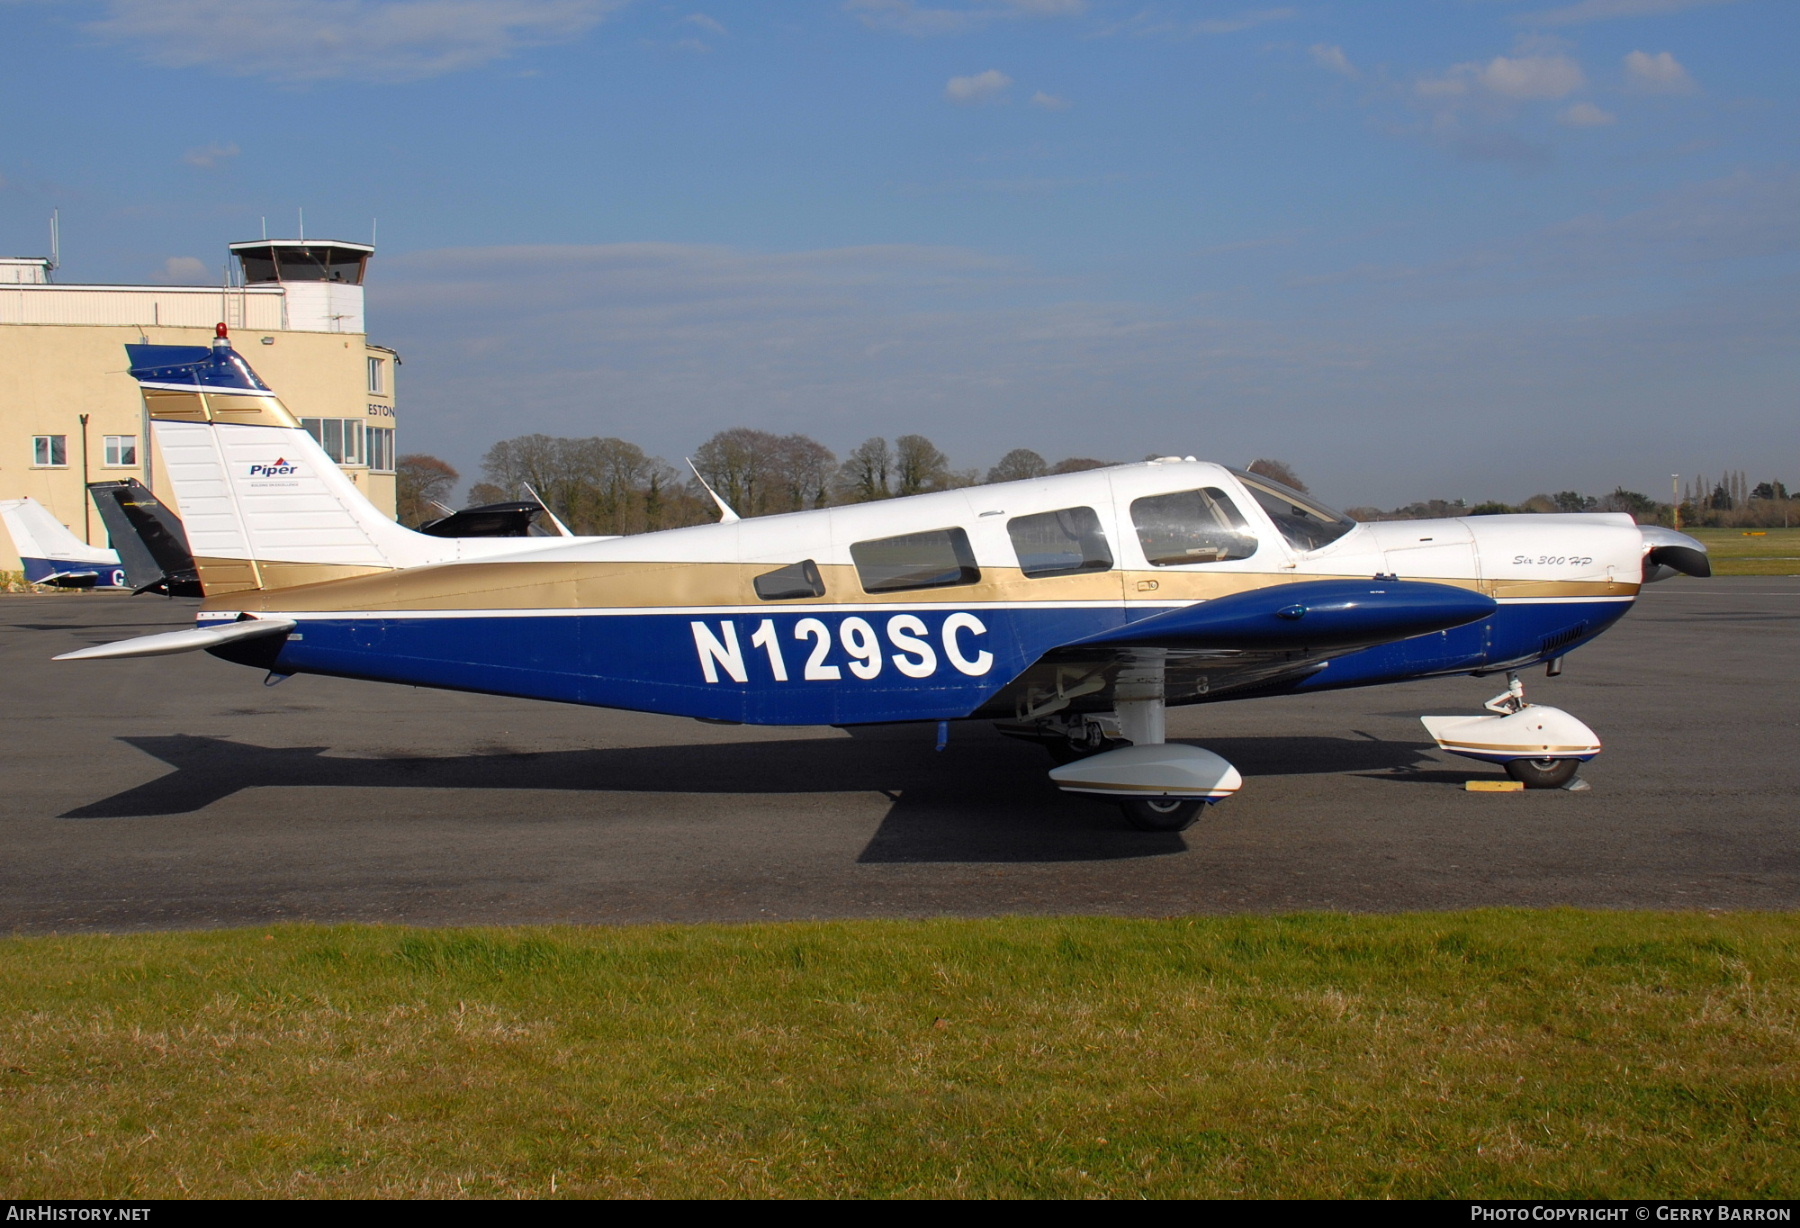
(1191, 526)
(1060, 543)
(1303, 520)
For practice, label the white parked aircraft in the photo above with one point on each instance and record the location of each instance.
(1073, 610)
(52, 554)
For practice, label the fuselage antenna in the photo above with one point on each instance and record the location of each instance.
(726, 515)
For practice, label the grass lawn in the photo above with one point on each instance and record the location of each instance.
(1500, 1053)
(1735, 553)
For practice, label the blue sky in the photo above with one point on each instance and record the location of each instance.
(1419, 248)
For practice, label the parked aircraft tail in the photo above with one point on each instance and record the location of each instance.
(150, 539)
(52, 555)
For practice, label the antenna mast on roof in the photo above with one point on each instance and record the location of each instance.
(303, 223)
(265, 223)
(55, 240)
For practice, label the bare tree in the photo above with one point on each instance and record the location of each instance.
(595, 486)
(741, 464)
(864, 475)
(1078, 464)
(1018, 465)
(1278, 471)
(919, 466)
(420, 481)
(802, 472)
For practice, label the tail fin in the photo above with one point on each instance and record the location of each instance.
(149, 538)
(51, 554)
(263, 504)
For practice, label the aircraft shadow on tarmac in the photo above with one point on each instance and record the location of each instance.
(986, 799)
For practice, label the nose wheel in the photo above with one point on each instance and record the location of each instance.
(1160, 813)
(1543, 773)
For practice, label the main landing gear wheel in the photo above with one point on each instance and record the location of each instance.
(1543, 773)
(1161, 813)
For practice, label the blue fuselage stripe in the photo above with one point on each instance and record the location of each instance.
(828, 665)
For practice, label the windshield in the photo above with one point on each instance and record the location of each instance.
(1303, 520)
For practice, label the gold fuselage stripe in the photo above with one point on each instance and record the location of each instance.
(561, 585)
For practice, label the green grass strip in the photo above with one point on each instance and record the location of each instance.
(1736, 552)
(1491, 1054)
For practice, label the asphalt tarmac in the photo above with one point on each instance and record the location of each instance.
(179, 792)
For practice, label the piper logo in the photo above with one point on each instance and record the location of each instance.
(278, 469)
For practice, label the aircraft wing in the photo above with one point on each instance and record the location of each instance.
(1243, 642)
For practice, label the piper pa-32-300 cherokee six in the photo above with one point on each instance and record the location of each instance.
(1072, 610)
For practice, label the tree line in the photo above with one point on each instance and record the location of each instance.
(611, 486)
(606, 485)
(1730, 502)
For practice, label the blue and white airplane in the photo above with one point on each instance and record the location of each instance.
(1073, 610)
(51, 554)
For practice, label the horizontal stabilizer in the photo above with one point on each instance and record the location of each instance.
(171, 642)
(70, 579)
(1315, 614)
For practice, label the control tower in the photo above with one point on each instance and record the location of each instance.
(322, 280)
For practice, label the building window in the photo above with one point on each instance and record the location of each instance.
(381, 448)
(342, 438)
(121, 451)
(49, 450)
(377, 377)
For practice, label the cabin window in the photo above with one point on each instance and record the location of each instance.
(938, 558)
(1303, 520)
(1060, 543)
(1191, 526)
(49, 451)
(791, 583)
(121, 451)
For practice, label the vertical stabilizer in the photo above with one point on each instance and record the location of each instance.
(264, 506)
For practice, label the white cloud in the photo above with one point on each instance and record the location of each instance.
(710, 25)
(1658, 74)
(982, 87)
(1243, 21)
(1605, 10)
(909, 17)
(1520, 78)
(209, 156)
(1333, 57)
(1532, 78)
(1587, 115)
(183, 271)
(1050, 102)
(374, 40)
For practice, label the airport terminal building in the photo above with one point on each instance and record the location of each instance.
(69, 413)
